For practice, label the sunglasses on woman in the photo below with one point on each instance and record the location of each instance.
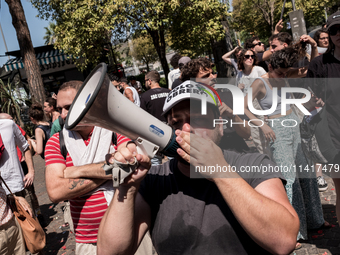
(334, 30)
(249, 56)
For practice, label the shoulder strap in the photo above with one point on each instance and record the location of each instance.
(63, 150)
(6, 185)
(114, 138)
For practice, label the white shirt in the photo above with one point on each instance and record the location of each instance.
(135, 95)
(10, 166)
(247, 80)
(173, 75)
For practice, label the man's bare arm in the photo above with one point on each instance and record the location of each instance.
(264, 212)
(226, 57)
(60, 188)
(266, 55)
(129, 95)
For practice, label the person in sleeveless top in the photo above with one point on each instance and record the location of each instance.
(285, 142)
(42, 130)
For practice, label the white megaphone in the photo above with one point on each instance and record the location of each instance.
(99, 103)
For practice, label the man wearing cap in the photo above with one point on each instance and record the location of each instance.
(233, 212)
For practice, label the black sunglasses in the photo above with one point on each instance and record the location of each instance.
(249, 56)
(259, 44)
(334, 30)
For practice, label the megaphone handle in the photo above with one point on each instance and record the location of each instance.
(120, 171)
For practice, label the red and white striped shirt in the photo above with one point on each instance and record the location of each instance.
(87, 211)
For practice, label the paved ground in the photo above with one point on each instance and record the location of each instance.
(320, 242)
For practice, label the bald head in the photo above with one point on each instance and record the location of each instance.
(5, 116)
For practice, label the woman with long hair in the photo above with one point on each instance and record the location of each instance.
(328, 66)
(285, 141)
(42, 130)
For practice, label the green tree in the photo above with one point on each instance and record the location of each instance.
(10, 102)
(144, 51)
(195, 24)
(32, 70)
(261, 16)
(83, 25)
(50, 36)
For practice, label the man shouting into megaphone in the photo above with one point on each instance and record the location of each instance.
(230, 212)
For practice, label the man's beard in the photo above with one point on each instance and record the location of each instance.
(216, 138)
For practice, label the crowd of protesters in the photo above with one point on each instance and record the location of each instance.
(161, 205)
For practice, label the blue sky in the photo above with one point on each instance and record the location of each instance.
(35, 25)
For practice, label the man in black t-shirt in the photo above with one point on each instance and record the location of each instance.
(153, 99)
(189, 209)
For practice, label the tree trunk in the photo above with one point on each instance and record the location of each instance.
(27, 52)
(159, 43)
(219, 49)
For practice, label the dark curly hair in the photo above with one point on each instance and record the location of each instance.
(192, 68)
(52, 102)
(317, 34)
(174, 60)
(238, 49)
(249, 42)
(36, 112)
(284, 58)
(240, 60)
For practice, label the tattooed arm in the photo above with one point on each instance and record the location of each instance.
(60, 188)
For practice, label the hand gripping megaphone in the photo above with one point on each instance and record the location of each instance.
(99, 103)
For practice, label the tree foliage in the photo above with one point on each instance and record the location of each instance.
(84, 25)
(144, 51)
(195, 24)
(261, 16)
(9, 100)
(50, 36)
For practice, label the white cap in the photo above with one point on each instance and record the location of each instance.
(190, 90)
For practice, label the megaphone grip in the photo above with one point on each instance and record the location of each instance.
(171, 149)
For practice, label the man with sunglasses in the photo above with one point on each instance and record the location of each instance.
(257, 46)
(232, 213)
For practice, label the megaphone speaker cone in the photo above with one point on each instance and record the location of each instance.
(99, 103)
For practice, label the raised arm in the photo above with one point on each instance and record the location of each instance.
(226, 57)
(128, 217)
